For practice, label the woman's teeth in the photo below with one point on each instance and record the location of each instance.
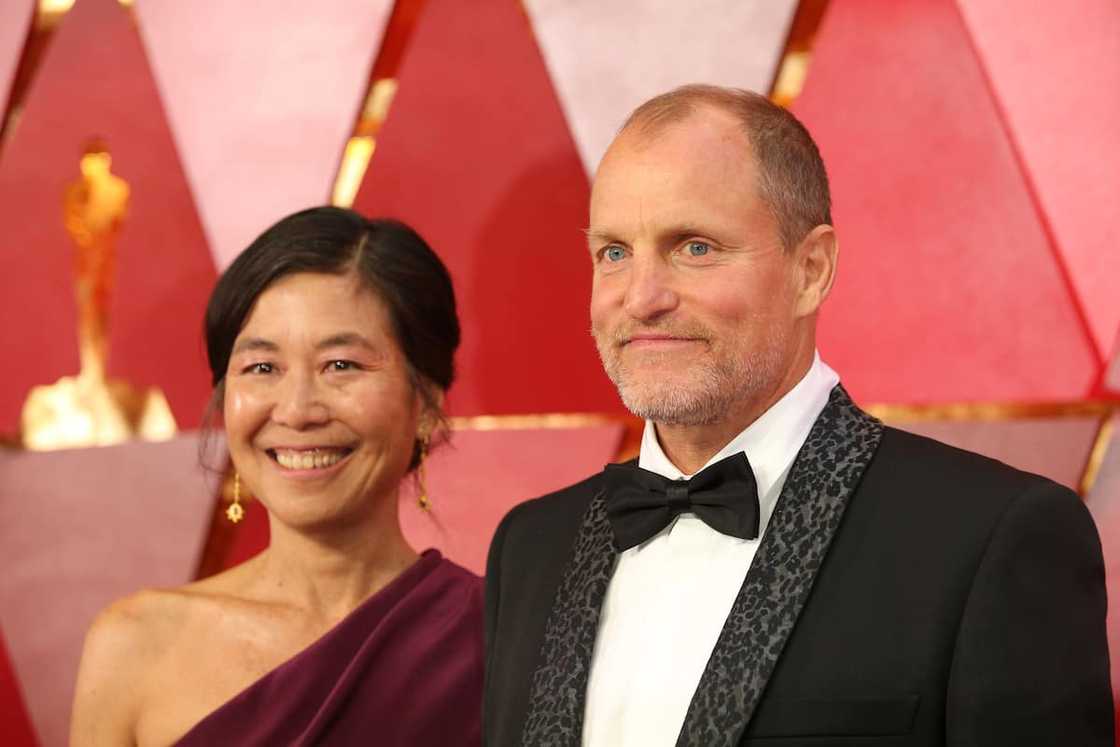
(314, 459)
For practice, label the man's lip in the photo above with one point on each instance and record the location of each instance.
(654, 339)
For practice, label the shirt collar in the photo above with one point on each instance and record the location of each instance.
(771, 442)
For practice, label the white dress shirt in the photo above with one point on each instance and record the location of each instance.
(669, 597)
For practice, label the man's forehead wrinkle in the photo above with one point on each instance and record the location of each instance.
(701, 159)
(704, 119)
(661, 218)
(692, 176)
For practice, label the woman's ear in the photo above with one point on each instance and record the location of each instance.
(430, 399)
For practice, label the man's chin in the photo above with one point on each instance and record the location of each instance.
(670, 405)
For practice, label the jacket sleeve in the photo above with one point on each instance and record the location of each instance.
(1030, 665)
(493, 576)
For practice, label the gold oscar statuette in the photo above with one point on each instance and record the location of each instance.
(90, 409)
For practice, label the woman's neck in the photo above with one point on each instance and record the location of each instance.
(331, 571)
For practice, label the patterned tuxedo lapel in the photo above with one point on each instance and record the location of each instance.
(555, 711)
(827, 469)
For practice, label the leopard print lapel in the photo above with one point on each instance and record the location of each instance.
(555, 712)
(826, 472)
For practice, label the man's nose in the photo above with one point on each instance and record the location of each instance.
(299, 402)
(650, 292)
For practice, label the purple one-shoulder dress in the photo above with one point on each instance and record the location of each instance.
(404, 668)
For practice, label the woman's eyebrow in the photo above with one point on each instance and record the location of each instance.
(345, 338)
(254, 343)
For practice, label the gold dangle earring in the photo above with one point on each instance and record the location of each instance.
(235, 512)
(422, 500)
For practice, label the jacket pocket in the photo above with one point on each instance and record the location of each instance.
(810, 717)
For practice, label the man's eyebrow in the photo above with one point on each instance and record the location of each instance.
(684, 232)
(674, 234)
(596, 235)
(254, 343)
(343, 339)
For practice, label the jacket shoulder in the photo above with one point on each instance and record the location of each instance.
(916, 470)
(552, 512)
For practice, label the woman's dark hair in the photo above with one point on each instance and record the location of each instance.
(386, 256)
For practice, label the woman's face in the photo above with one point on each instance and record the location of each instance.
(319, 410)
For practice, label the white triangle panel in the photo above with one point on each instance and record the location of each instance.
(261, 98)
(607, 58)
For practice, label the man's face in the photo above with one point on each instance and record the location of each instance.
(693, 302)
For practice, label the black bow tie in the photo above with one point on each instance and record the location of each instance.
(641, 503)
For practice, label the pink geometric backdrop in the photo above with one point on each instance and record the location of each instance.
(973, 152)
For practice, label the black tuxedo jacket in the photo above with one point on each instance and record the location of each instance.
(904, 593)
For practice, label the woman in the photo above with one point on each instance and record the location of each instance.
(330, 342)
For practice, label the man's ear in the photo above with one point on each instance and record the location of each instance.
(815, 259)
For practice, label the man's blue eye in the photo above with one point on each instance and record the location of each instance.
(698, 248)
(614, 253)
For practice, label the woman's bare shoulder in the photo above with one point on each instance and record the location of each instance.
(119, 649)
(127, 647)
(134, 627)
(143, 624)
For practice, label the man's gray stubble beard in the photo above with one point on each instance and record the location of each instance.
(716, 387)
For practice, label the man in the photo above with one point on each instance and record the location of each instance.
(778, 567)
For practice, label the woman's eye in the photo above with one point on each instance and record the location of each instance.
(258, 368)
(697, 248)
(340, 365)
(614, 253)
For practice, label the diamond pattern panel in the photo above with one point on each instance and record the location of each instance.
(936, 223)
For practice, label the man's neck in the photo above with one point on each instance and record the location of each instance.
(689, 447)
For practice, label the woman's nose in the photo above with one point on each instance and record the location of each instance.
(299, 403)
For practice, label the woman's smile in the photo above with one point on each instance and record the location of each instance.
(311, 460)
